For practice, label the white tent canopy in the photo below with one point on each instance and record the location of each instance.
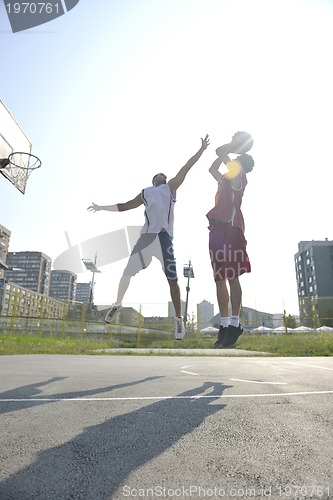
(282, 329)
(209, 329)
(262, 329)
(324, 329)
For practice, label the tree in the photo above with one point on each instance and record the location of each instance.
(191, 325)
(290, 322)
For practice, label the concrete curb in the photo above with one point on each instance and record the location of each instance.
(184, 352)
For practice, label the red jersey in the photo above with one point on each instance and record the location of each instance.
(228, 201)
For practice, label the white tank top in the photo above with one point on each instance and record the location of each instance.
(159, 209)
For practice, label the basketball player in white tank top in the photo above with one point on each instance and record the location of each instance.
(156, 235)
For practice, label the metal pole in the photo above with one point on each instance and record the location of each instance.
(187, 293)
(91, 298)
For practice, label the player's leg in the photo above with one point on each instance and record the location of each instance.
(117, 306)
(234, 329)
(240, 264)
(218, 252)
(222, 295)
(167, 258)
(176, 301)
(122, 287)
(139, 259)
(175, 297)
(235, 297)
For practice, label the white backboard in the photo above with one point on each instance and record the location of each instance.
(12, 139)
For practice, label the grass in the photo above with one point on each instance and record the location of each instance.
(29, 344)
(300, 344)
(307, 344)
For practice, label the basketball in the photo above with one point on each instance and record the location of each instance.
(240, 144)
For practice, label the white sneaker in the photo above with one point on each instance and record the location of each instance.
(180, 329)
(110, 315)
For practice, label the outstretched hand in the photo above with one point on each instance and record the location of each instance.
(205, 142)
(93, 208)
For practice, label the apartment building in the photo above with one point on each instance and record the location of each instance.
(17, 301)
(30, 270)
(63, 285)
(314, 276)
(4, 244)
(205, 312)
(83, 292)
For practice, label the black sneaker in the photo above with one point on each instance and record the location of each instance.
(221, 336)
(232, 336)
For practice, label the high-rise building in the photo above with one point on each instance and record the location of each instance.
(4, 244)
(314, 275)
(30, 270)
(63, 285)
(83, 292)
(205, 312)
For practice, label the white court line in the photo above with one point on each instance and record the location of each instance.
(149, 398)
(188, 373)
(258, 382)
(308, 366)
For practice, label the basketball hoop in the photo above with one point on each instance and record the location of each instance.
(27, 161)
(18, 166)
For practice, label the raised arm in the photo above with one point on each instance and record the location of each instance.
(179, 178)
(214, 169)
(240, 142)
(222, 152)
(118, 207)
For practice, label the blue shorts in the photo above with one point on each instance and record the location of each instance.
(151, 245)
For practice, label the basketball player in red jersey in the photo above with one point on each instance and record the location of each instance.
(227, 243)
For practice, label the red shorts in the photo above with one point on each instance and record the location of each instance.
(227, 249)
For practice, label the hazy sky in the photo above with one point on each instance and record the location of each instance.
(115, 91)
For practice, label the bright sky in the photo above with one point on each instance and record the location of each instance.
(115, 91)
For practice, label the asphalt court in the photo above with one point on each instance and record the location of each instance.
(245, 376)
(111, 427)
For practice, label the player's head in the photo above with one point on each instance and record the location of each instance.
(242, 141)
(159, 179)
(246, 161)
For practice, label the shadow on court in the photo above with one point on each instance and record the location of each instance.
(97, 462)
(33, 391)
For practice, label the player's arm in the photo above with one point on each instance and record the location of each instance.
(180, 177)
(236, 146)
(118, 207)
(222, 152)
(214, 168)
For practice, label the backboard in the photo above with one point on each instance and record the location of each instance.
(12, 139)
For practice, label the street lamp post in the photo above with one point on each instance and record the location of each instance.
(91, 266)
(188, 273)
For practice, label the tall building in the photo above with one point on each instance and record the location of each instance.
(30, 270)
(205, 312)
(4, 244)
(83, 292)
(314, 275)
(63, 285)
